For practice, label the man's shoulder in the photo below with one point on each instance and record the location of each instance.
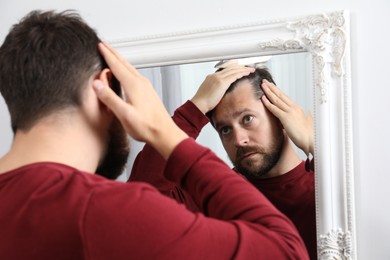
(63, 178)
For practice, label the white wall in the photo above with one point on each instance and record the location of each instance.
(370, 36)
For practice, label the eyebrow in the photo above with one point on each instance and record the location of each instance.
(235, 115)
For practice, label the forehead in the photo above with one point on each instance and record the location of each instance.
(242, 99)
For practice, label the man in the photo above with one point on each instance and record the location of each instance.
(255, 122)
(65, 119)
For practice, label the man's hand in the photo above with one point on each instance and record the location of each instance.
(215, 85)
(298, 126)
(142, 113)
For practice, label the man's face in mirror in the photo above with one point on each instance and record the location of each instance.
(252, 137)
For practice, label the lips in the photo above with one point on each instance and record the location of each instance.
(245, 156)
(243, 153)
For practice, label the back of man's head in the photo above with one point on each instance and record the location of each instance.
(255, 79)
(45, 61)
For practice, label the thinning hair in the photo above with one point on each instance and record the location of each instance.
(255, 79)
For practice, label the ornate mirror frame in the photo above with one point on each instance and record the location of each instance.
(326, 37)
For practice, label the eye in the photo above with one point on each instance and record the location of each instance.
(224, 130)
(247, 119)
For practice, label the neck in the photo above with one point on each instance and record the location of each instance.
(69, 142)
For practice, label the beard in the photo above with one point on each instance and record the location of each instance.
(255, 168)
(118, 149)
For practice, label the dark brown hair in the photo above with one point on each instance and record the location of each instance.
(45, 62)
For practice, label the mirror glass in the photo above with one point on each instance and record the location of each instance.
(178, 83)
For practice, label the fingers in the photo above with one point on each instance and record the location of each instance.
(215, 85)
(226, 77)
(115, 63)
(120, 58)
(235, 71)
(118, 65)
(222, 64)
(131, 80)
(108, 97)
(276, 96)
(142, 114)
(271, 107)
(298, 126)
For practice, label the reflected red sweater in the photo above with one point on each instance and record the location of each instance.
(53, 211)
(292, 193)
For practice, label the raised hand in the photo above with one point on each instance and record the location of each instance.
(142, 113)
(215, 85)
(299, 127)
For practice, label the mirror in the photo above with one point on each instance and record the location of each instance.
(178, 83)
(325, 38)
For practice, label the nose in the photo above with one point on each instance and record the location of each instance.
(240, 137)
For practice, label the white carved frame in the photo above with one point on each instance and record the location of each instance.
(326, 37)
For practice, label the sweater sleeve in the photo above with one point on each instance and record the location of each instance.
(239, 222)
(191, 120)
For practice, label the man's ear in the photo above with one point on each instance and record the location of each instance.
(109, 79)
(105, 75)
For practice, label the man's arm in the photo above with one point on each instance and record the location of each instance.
(191, 120)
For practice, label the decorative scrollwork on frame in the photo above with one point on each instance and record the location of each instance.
(320, 83)
(338, 51)
(282, 45)
(324, 37)
(336, 245)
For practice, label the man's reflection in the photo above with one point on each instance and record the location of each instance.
(256, 122)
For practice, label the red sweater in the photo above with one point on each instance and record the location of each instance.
(292, 193)
(53, 211)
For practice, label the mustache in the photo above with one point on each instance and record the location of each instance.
(242, 151)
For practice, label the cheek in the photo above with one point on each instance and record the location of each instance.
(262, 132)
(260, 135)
